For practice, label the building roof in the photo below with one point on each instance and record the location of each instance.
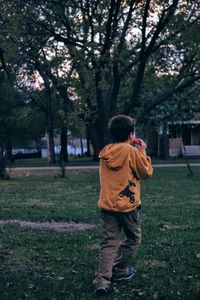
(194, 120)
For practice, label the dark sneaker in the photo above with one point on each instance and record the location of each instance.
(128, 275)
(101, 291)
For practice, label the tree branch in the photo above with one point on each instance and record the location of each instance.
(147, 51)
(164, 20)
(125, 28)
(3, 61)
(144, 26)
(107, 41)
(142, 58)
(178, 86)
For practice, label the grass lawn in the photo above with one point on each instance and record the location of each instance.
(51, 265)
(43, 162)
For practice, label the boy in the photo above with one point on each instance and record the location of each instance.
(121, 168)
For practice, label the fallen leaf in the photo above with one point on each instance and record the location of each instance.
(60, 278)
(31, 286)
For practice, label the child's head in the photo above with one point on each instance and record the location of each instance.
(120, 128)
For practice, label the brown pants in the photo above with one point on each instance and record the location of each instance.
(115, 254)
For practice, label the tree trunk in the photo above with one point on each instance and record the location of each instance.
(63, 141)
(94, 141)
(81, 143)
(9, 151)
(50, 147)
(51, 151)
(2, 165)
(88, 143)
(3, 172)
(42, 69)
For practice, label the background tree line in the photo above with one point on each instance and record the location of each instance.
(66, 63)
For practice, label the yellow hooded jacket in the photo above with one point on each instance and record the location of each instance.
(121, 168)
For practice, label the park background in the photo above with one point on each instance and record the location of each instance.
(67, 67)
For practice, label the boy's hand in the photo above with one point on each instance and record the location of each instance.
(139, 144)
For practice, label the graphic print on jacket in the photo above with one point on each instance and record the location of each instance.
(126, 192)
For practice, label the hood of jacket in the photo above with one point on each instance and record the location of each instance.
(115, 155)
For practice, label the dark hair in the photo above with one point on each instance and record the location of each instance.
(120, 127)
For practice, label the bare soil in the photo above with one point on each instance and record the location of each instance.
(57, 226)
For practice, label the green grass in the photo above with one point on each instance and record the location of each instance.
(43, 162)
(49, 265)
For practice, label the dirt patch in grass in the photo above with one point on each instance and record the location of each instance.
(39, 203)
(57, 226)
(155, 263)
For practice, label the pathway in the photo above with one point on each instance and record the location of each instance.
(77, 168)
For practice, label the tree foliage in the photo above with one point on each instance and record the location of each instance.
(117, 56)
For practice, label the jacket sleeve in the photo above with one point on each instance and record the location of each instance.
(141, 164)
